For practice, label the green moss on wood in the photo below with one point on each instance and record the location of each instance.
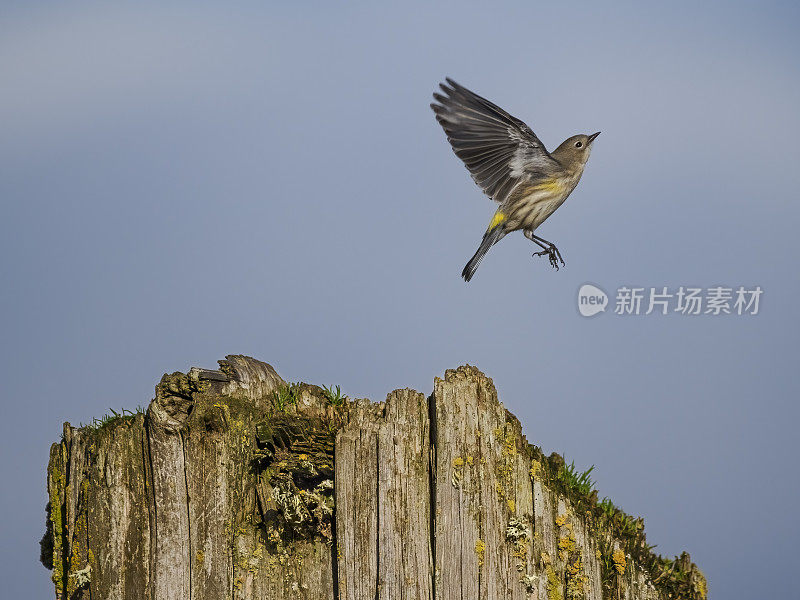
(673, 578)
(57, 484)
(553, 584)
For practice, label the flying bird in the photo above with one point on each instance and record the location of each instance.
(511, 165)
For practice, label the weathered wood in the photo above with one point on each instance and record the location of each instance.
(383, 501)
(208, 473)
(481, 488)
(357, 506)
(198, 374)
(404, 501)
(171, 558)
(118, 519)
(235, 484)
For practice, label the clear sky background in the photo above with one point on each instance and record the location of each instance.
(187, 181)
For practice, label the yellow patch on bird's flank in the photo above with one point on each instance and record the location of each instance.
(552, 185)
(497, 219)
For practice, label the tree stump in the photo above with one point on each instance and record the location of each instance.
(235, 484)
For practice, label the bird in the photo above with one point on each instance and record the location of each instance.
(511, 165)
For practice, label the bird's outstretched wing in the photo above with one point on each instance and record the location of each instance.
(499, 150)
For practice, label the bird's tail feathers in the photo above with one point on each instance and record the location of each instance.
(490, 238)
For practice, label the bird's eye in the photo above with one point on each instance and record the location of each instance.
(578, 144)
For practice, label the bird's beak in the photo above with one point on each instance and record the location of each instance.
(594, 135)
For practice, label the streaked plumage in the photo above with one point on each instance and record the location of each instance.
(511, 165)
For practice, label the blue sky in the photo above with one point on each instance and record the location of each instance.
(187, 181)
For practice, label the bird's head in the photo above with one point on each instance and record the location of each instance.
(574, 151)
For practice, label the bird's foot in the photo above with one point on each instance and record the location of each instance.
(553, 255)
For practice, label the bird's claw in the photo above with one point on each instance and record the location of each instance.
(553, 255)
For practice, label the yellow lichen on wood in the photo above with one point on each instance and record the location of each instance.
(619, 561)
(553, 585)
(577, 580)
(566, 541)
(57, 493)
(505, 468)
(699, 584)
(566, 545)
(480, 550)
(458, 471)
